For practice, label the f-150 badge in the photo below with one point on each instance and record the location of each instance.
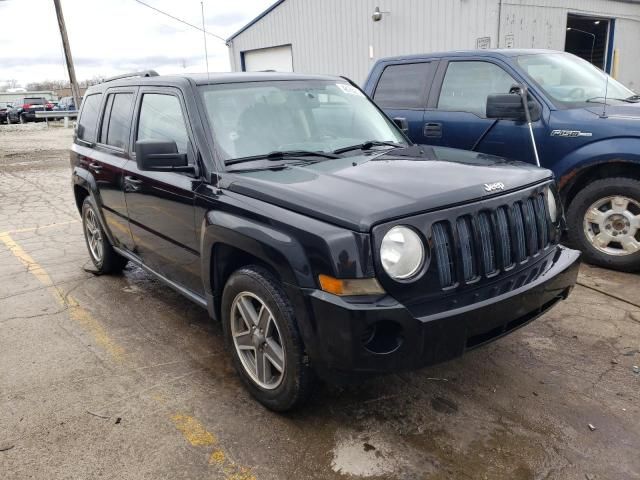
(570, 133)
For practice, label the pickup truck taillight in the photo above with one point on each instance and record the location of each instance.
(26, 106)
(48, 106)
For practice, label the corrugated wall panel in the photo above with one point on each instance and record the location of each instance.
(334, 36)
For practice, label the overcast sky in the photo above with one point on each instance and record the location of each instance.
(109, 37)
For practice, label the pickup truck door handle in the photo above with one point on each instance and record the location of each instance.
(131, 184)
(96, 167)
(433, 130)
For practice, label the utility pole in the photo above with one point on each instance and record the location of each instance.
(75, 91)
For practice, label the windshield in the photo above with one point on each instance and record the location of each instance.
(571, 81)
(257, 118)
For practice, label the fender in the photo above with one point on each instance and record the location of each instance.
(622, 149)
(84, 178)
(280, 251)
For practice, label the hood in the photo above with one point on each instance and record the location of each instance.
(627, 110)
(357, 192)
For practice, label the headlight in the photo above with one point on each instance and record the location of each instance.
(401, 253)
(552, 206)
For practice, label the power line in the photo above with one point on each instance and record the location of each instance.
(180, 20)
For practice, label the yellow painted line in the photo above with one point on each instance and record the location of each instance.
(33, 229)
(76, 312)
(197, 435)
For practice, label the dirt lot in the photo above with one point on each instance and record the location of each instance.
(118, 377)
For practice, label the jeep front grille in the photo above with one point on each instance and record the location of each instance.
(490, 241)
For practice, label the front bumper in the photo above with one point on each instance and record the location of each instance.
(344, 338)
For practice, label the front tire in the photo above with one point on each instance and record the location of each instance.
(604, 222)
(261, 332)
(104, 257)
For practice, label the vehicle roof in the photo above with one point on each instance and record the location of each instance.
(207, 79)
(492, 52)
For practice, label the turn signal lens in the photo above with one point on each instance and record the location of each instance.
(350, 286)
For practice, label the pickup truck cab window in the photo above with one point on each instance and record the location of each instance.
(403, 85)
(466, 86)
(161, 119)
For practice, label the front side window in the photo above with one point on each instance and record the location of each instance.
(116, 126)
(467, 85)
(257, 118)
(571, 81)
(403, 86)
(161, 119)
(87, 123)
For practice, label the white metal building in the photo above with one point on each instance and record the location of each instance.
(341, 37)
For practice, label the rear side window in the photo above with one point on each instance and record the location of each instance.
(403, 86)
(161, 119)
(117, 120)
(89, 118)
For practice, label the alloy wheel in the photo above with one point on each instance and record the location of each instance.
(257, 340)
(93, 234)
(612, 225)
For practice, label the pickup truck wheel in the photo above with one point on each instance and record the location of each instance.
(260, 329)
(604, 222)
(103, 256)
(23, 119)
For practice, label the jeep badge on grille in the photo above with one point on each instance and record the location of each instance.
(492, 187)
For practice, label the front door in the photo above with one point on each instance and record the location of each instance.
(160, 205)
(456, 116)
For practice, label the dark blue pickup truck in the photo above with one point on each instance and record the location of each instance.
(592, 144)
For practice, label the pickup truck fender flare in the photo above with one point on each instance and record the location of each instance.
(83, 178)
(618, 150)
(278, 250)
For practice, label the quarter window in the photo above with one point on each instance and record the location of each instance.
(403, 86)
(466, 86)
(116, 132)
(161, 119)
(89, 117)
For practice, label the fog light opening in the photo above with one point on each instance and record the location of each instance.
(382, 337)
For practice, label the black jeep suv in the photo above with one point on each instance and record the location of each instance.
(304, 220)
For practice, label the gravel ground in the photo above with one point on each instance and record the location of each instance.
(118, 377)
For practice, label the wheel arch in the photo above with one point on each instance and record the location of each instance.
(229, 242)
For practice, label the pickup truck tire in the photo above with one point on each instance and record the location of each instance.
(23, 119)
(259, 324)
(103, 256)
(604, 222)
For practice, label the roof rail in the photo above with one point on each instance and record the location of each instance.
(144, 73)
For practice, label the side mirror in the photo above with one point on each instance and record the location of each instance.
(161, 156)
(506, 106)
(402, 124)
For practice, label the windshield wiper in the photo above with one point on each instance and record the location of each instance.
(367, 146)
(281, 155)
(631, 99)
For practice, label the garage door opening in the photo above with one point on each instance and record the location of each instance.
(278, 59)
(590, 38)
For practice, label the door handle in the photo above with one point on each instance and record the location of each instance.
(432, 130)
(131, 184)
(96, 167)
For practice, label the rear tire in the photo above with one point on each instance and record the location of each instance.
(259, 325)
(604, 222)
(104, 257)
(23, 119)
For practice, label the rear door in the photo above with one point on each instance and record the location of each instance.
(402, 91)
(456, 114)
(161, 204)
(104, 127)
